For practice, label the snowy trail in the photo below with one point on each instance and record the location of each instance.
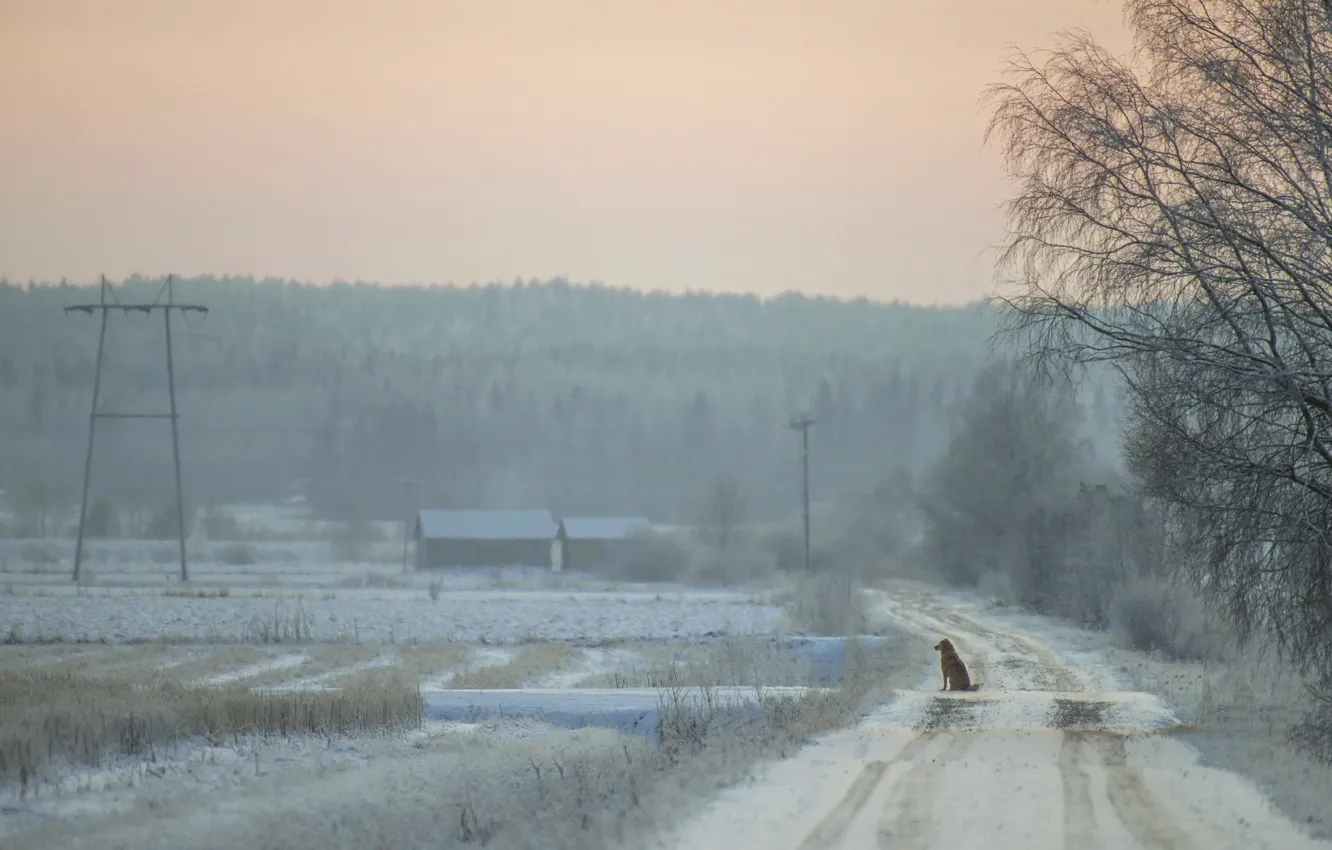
(1049, 755)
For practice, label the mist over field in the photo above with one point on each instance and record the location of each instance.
(584, 399)
(941, 463)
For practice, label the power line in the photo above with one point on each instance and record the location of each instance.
(173, 414)
(407, 485)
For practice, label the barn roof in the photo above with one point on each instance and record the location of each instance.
(486, 525)
(604, 527)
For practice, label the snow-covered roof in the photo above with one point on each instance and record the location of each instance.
(604, 527)
(486, 525)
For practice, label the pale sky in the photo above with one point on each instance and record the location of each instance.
(830, 146)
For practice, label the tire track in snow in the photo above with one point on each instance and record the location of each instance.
(1044, 668)
(833, 828)
(999, 660)
(906, 821)
(1133, 802)
(911, 792)
(1081, 831)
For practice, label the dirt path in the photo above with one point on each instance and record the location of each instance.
(1049, 755)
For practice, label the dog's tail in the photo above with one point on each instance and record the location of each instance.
(974, 687)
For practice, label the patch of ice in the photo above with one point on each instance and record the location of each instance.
(633, 711)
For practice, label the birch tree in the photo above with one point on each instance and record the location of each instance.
(1172, 217)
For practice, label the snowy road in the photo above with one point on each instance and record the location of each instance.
(1052, 754)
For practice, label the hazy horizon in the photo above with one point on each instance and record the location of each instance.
(185, 280)
(733, 146)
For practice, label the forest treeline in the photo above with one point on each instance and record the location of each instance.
(583, 398)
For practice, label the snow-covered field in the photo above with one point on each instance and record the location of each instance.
(546, 692)
(474, 616)
(505, 658)
(1071, 740)
(130, 592)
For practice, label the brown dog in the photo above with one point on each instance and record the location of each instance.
(954, 671)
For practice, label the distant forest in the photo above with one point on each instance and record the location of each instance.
(581, 398)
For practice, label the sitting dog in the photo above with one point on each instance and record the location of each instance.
(954, 671)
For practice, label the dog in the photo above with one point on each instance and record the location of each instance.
(954, 671)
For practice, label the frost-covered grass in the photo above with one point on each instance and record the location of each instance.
(423, 660)
(825, 604)
(48, 716)
(739, 661)
(1239, 714)
(287, 640)
(527, 665)
(354, 617)
(507, 783)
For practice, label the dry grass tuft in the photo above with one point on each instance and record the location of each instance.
(827, 603)
(379, 580)
(424, 659)
(198, 592)
(294, 626)
(86, 719)
(26, 655)
(136, 661)
(740, 661)
(532, 661)
(688, 727)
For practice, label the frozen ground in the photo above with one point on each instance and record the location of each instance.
(288, 792)
(548, 692)
(306, 792)
(1071, 743)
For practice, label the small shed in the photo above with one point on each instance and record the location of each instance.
(479, 538)
(593, 541)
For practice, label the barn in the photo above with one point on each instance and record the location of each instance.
(476, 538)
(590, 542)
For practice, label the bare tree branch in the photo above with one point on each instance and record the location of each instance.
(1174, 219)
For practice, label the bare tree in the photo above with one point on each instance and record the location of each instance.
(36, 506)
(1174, 219)
(723, 513)
(996, 501)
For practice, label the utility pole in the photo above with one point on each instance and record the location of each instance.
(407, 486)
(802, 424)
(105, 308)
